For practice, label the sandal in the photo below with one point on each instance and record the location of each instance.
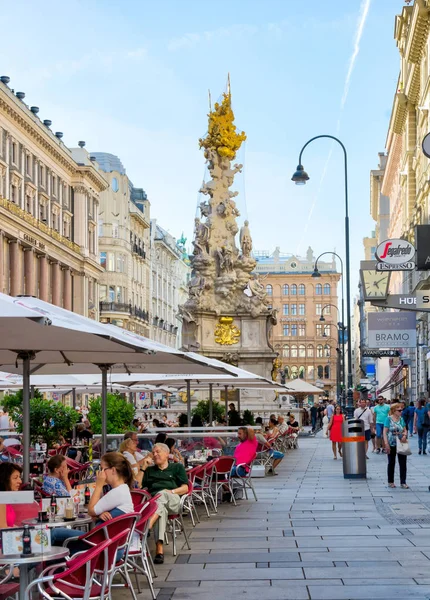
(159, 559)
(391, 485)
(404, 486)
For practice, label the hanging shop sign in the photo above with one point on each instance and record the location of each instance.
(422, 240)
(392, 330)
(395, 255)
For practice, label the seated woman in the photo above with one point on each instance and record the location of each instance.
(57, 482)
(10, 481)
(116, 471)
(245, 451)
(175, 455)
(128, 449)
(293, 426)
(270, 436)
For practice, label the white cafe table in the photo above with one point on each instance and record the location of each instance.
(60, 522)
(23, 562)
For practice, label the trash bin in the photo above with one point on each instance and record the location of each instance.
(353, 449)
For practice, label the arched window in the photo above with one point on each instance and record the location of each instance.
(320, 371)
(319, 351)
(327, 289)
(302, 289)
(327, 372)
(302, 351)
(318, 289)
(294, 290)
(327, 350)
(301, 372)
(310, 351)
(286, 351)
(293, 351)
(294, 372)
(269, 290)
(311, 372)
(285, 289)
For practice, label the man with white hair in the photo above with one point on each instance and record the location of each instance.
(171, 482)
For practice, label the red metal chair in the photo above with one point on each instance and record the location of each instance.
(202, 488)
(106, 531)
(139, 497)
(8, 589)
(177, 520)
(76, 580)
(222, 476)
(244, 482)
(138, 556)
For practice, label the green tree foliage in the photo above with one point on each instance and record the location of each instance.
(49, 420)
(248, 417)
(120, 414)
(202, 410)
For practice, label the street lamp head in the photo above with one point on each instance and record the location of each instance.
(316, 273)
(322, 318)
(300, 177)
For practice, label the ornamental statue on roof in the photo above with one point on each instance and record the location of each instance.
(221, 280)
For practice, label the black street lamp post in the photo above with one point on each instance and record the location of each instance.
(300, 177)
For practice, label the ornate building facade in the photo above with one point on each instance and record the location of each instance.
(305, 344)
(170, 275)
(124, 245)
(49, 198)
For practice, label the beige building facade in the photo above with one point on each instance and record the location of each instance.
(305, 344)
(124, 248)
(170, 275)
(48, 211)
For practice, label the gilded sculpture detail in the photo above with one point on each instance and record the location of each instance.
(226, 333)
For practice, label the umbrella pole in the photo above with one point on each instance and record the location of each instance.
(226, 402)
(26, 358)
(74, 398)
(189, 403)
(211, 404)
(104, 370)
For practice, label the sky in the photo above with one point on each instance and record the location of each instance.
(132, 78)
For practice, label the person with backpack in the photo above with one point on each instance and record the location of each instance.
(422, 425)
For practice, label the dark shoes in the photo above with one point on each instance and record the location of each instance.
(159, 559)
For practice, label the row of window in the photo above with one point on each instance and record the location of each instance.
(302, 351)
(299, 329)
(322, 372)
(294, 290)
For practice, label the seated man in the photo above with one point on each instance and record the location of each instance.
(271, 436)
(170, 481)
(293, 426)
(245, 451)
(282, 426)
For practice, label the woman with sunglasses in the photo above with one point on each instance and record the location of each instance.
(395, 428)
(115, 470)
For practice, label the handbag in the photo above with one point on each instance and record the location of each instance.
(403, 447)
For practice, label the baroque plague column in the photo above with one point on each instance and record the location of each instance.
(226, 315)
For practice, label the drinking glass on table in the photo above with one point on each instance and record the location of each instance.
(52, 512)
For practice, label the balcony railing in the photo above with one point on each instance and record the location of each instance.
(134, 311)
(138, 250)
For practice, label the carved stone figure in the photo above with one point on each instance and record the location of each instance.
(225, 258)
(257, 288)
(204, 209)
(245, 239)
(201, 237)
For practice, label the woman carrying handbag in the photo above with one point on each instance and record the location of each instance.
(395, 441)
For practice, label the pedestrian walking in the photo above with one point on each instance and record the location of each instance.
(381, 411)
(314, 416)
(422, 426)
(409, 417)
(395, 429)
(335, 429)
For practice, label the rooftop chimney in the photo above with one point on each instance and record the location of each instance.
(81, 144)
(5, 79)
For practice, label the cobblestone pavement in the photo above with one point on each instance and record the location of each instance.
(311, 535)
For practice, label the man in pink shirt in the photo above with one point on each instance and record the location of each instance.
(245, 451)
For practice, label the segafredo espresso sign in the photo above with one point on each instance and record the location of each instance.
(395, 252)
(391, 330)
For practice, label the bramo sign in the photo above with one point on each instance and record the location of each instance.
(392, 330)
(395, 252)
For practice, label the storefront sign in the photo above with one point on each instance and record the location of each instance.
(422, 241)
(395, 252)
(31, 240)
(392, 330)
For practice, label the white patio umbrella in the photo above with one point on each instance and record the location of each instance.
(299, 386)
(51, 340)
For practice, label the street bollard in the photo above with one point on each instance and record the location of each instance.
(353, 449)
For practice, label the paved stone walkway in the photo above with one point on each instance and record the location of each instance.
(311, 535)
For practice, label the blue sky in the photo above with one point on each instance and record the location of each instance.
(132, 78)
